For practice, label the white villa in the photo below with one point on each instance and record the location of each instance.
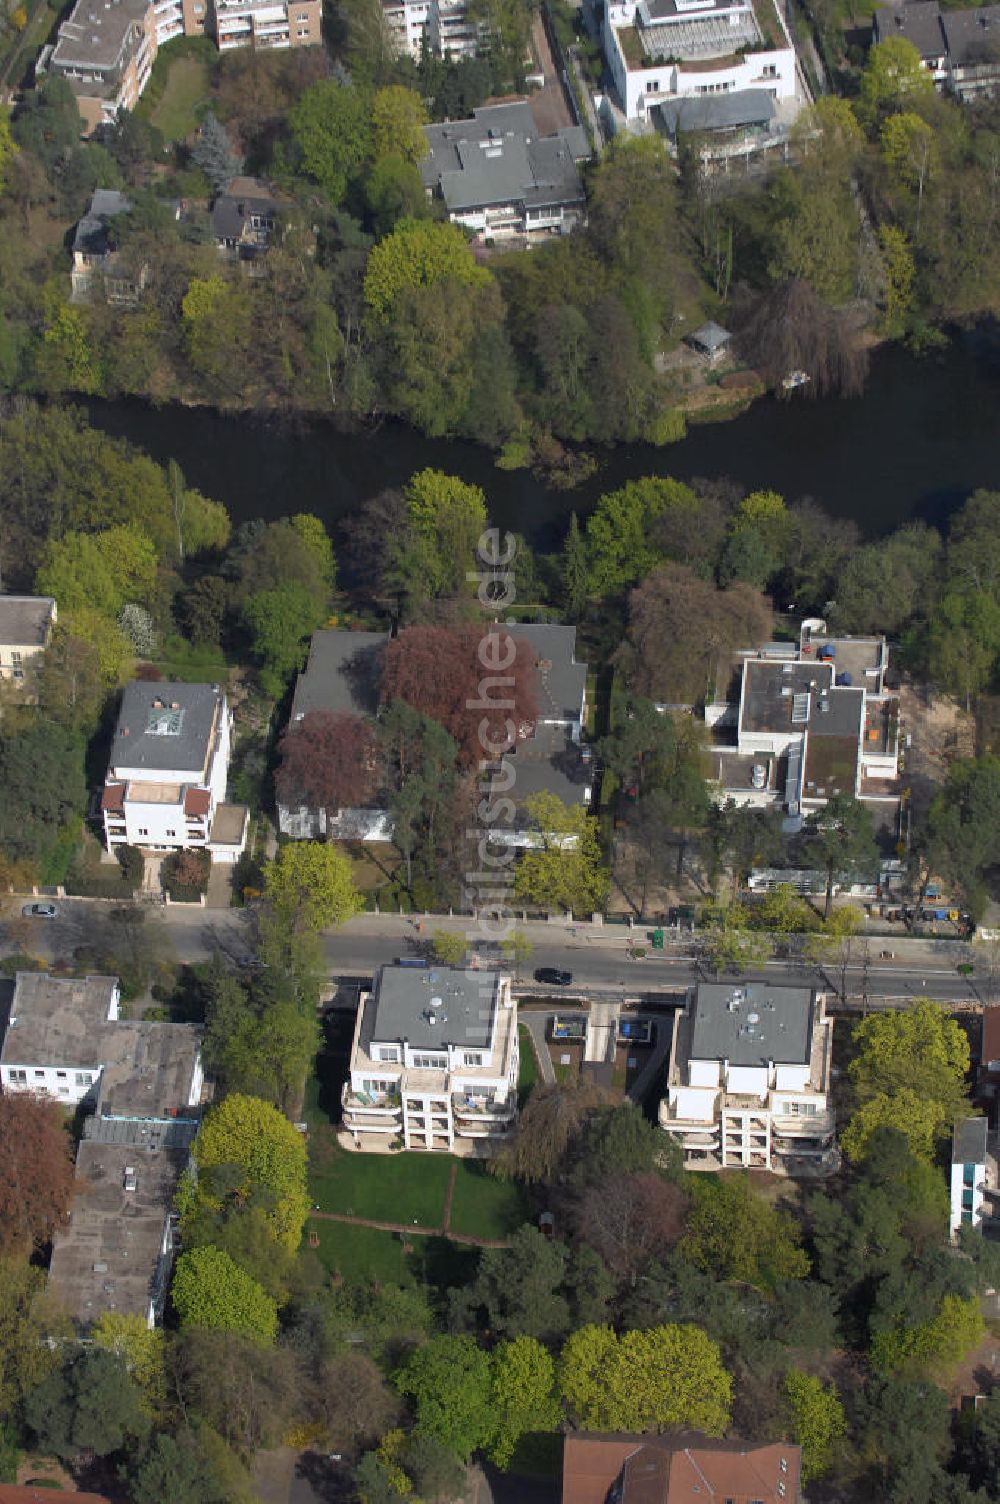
(434, 1062)
(166, 783)
(660, 51)
(748, 1080)
(968, 1174)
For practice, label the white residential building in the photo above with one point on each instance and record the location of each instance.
(166, 784)
(748, 1080)
(968, 1174)
(659, 51)
(407, 22)
(793, 725)
(26, 623)
(434, 1062)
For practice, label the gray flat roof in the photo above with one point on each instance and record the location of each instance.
(97, 33)
(162, 726)
(108, 1257)
(770, 687)
(561, 680)
(399, 1008)
(342, 674)
(717, 112)
(25, 620)
(752, 1023)
(968, 1145)
(498, 157)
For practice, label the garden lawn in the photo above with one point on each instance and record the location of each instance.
(527, 1071)
(360, 1254)
(483, 1206)
(385, 1187)
(176, 114)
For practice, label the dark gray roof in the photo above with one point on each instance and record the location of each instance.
(842, 715)
(717, 112)
(92, 231)
(25, 620)
(711, 337)
(968, 1145)
(498, 157)
(98, 36)
(163, 726)
(752, 1023)
(770, 688)
(561, 680)
(918, 21)
(241, 198)
(973, 36)
(342, 673)
(549, 763)
(399, 1008)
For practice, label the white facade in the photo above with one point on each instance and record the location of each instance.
(968, 1175)
(439, 1097)
(773, 1114)
(408, 22)
(657, 53)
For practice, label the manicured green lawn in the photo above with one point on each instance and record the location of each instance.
(484, 1206)
(386, 1187)
(361, 1254)
(177, 113)
(527, 1072)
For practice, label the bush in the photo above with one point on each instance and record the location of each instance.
(133, 865)
(185, 875)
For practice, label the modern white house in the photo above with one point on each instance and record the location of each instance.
(748, 1080)
(434, 1062)
(143, 1084)
(26, 623)
(660, 51)
(166, 783)
(793, 724)
(443, 26)
(968, 1174)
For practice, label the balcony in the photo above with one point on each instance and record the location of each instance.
(371, 1105)
(802, 1125)
(477, 1110)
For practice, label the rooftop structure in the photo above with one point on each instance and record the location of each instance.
(748, 1080)
(434, 1061)
(498, 177)
(685, 1468)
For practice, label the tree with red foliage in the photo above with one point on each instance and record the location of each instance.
(328, 761)
(36, 1171)
(630, 1219)
(460, 677)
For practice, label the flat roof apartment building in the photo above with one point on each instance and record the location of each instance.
(106, 48)
(165, 788)
(748, 1080)
(434, 1062)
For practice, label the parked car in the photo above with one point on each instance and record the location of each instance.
(553, 976)
(39, 911)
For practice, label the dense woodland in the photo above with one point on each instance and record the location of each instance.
(883, 217)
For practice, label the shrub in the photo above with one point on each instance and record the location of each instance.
(185, 875)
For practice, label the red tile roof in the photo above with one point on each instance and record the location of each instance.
(113, 797)
(12, 1494)
(683, 1469)
(197, 801)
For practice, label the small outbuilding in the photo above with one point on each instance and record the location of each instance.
(711, 340)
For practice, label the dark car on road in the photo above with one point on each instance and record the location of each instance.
(553, 976)
(39, 911)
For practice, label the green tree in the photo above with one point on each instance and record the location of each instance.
(216, 320)
(32, 1332)
(71, 691)
(88, 1405)
(313, 534)
(172, 1471)
(142, 1350)
(645, 1380)
(213, 153)
(574, 572)
(436, 1472)
(99, 570)
(269, 1053)
(840, 841)
(44, 784)
(210, 1290)
(522, 1396)
(448, 1381)
(565, 870)
(621, 546)
(310, 886)
(447, 517)
(963, 642)
(449, 948)
(418, 253)
(817, 1418)
(279, 622)
(331, 125)
(398, 120)
(893, 78)
(516, 1291)
(114, 653)
(736, 1234)
(727, 941)
(8, 150)
(908, 1072)
(246, 1145)
(930, 1349)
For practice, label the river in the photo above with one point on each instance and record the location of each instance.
(925, 434)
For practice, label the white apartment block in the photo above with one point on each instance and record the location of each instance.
(748, 1080)
(968, 1174)
(659, 51)
(793, 724)
(434, 1062)
(444, 25)
(166, 784)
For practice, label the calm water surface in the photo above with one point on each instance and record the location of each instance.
(925, 434)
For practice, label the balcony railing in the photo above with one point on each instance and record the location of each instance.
(366, 1101)
(465, 1106)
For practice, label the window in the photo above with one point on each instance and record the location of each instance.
(64, 1091)
(39, 1073)
(142, 831)
(60, 1075)
(15, 659)
(430, 1062)
(968, 1174)
(652, 86)
(967, 1199)
(171, 832)
(473, 1058)
(389, 1053)
(84, 1078)
(769, 71)
(20, 1077)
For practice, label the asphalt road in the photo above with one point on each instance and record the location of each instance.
(598, 959)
